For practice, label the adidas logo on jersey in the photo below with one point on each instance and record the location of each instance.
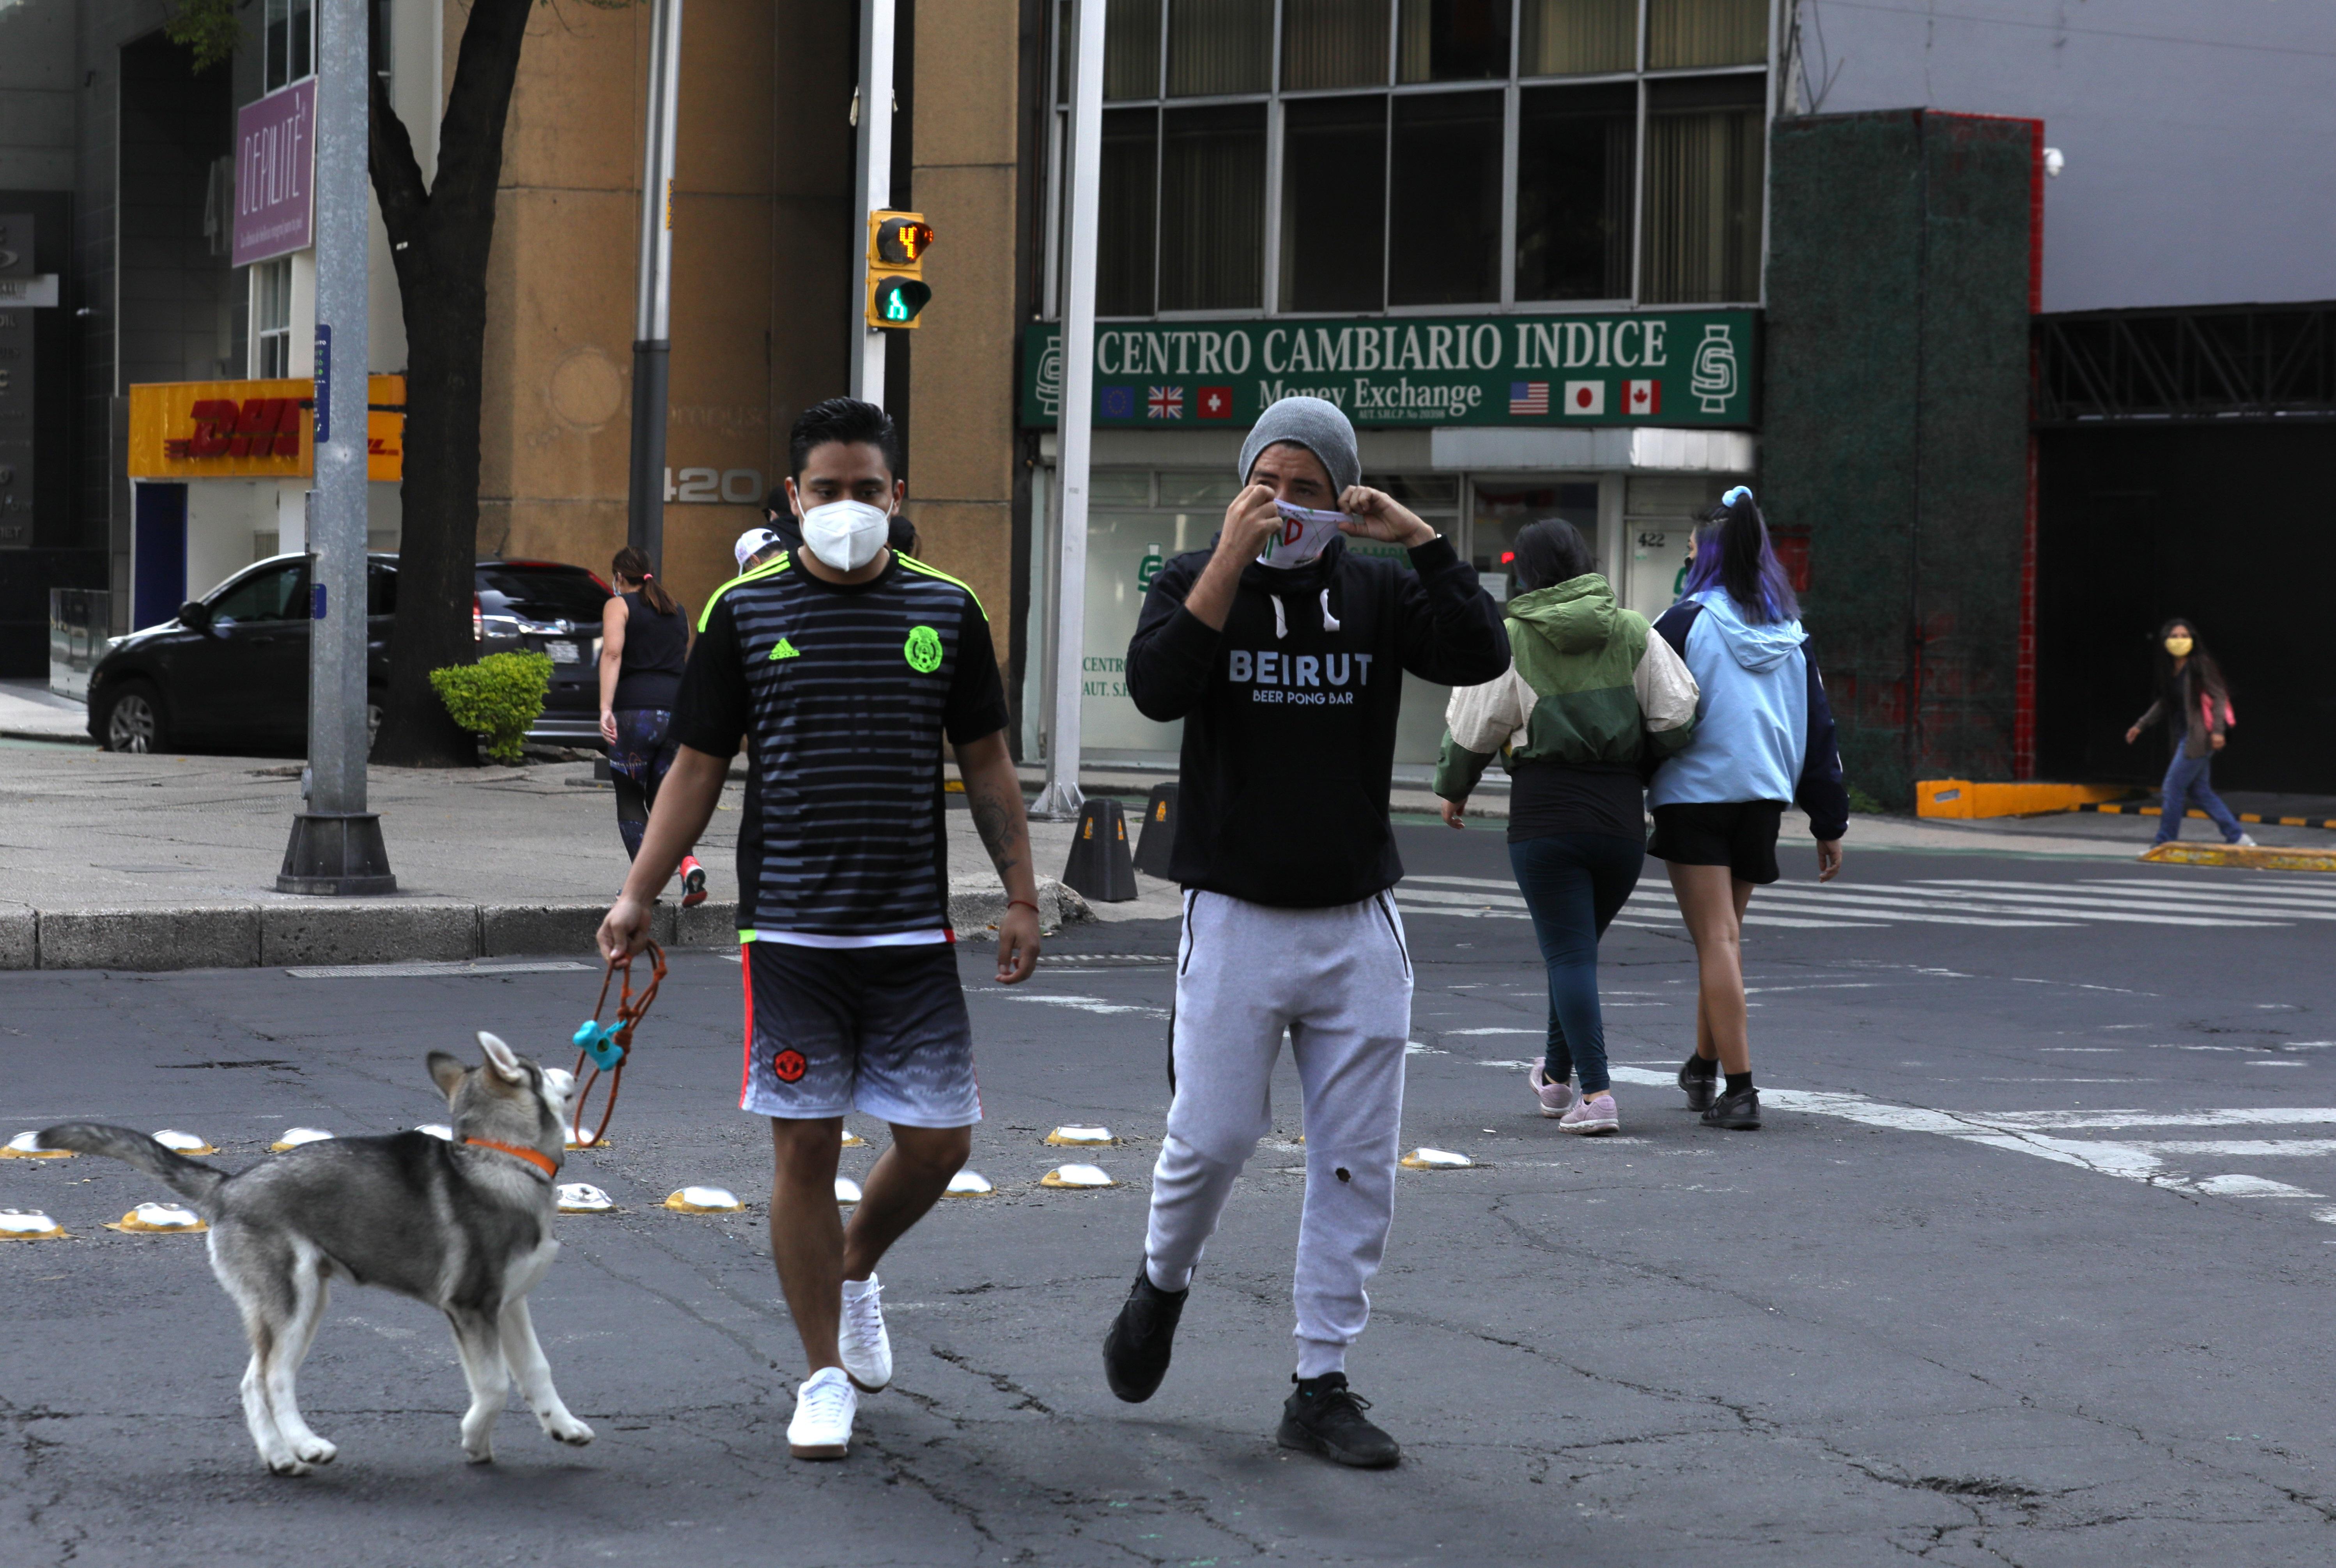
(784, 649)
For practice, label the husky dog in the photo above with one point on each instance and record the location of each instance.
(465, 1226)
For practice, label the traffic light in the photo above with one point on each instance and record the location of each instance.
(897, 242)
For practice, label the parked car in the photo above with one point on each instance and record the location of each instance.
(230, 671)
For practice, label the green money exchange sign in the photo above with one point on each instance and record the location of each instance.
(1690, 367)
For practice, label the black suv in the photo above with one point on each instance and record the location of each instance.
(230, 672)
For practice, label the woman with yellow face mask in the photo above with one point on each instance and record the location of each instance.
(2196, 707)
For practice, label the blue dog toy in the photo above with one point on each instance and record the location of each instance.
(598, 1041)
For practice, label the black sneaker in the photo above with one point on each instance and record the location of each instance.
(1738, 1112)
(1136, 1352)
(1699, 1088)
(1324, 1416)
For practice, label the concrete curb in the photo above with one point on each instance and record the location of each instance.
(2251, 857)
(327, 931)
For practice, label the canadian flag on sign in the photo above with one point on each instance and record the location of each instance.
(1643, 397)
(1585, 397)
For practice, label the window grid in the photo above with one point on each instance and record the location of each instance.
(1273, 249)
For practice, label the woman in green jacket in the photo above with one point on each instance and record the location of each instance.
(1591, 700)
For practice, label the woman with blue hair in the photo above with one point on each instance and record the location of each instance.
(1763, 738)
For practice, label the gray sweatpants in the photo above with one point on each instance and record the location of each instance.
(1339, 982)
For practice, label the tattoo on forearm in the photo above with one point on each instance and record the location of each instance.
(999, 825)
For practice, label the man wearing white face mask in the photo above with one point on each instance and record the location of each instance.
(847, 668)
(1284, 653)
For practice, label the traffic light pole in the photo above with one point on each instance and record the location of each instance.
(1062, 797)
(874, 184)
(653, 305)
(336, 847)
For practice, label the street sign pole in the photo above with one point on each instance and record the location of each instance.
(874, 182)
(653, 303)
(336, 845)
(1061, 799)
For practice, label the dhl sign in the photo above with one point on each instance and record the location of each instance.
(252, 429)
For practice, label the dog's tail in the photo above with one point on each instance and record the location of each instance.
(190, 1179)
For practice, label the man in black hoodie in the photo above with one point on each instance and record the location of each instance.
(1284, 652)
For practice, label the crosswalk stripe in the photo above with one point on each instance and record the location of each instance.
(2241, 1148)
(2309, 893)
(2220, 903)
(2072, 908)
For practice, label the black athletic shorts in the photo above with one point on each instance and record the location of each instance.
(880, 1030)
(1738, 834)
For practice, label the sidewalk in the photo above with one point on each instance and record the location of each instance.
(158, 862)
(29, 710)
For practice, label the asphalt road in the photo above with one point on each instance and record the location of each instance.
(2029, 1266)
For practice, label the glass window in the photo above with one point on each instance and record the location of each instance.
(1198, 489)
(1333, 44)
(1452, 40)
(381, 587)
(287, 47)
(1444, 241)
(278, 593)
(271, 318)
(1688, 33)
(1131, 49)
(1333, 191)
(1503, 513)
(1574, 150)
(1565, 37)
(1219, 47)
(1124, 248)
(1212, 208)
(541, 591)
(1704, 152)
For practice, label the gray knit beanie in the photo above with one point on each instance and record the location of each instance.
(1318, 426)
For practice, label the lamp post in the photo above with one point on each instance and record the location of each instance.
(874, 184)
(1062, 798)
(653, 303)
(336, 845)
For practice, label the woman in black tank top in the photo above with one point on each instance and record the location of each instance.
(644, 641)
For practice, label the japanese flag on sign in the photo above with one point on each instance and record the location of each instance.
(1585, 397)
(1643, 397)
(1216, 402)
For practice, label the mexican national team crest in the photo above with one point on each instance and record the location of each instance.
(924, 651)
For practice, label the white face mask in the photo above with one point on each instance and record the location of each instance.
(845, 534)
(1304, 536)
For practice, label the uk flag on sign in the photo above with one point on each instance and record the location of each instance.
(1216, 402)
(1585, 397)
(1528, 397)
(1116, 402)
(1643, 397)
(1164, 403)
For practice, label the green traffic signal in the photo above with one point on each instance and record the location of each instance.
(897, 300)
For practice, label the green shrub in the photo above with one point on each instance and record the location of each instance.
(499, 698)
(1859, 801)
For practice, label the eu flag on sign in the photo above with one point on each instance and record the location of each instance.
(1115, 402)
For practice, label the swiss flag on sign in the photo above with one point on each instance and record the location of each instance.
(1216, 402)
(1643, 397)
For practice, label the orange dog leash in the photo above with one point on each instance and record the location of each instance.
(605, 1048)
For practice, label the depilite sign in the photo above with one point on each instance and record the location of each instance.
(1692, 367)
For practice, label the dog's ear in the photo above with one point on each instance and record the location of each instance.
(500, 1057)
(446, 1073)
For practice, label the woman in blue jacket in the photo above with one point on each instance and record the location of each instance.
(1763, 737)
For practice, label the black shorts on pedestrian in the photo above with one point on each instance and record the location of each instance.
(1738, 834)
(882, 1030)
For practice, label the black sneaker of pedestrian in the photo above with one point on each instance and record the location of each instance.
(1136, 1352)
(1700, 1080)
(1323, 1416)
(1738, 1112)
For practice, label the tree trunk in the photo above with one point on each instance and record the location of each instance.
(440, 239)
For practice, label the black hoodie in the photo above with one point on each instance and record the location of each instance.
(1290, 719)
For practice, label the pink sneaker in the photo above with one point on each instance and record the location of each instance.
(1554, 1098)
(1593, 1116)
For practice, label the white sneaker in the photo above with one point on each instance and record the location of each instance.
(866, 1348)
(2246, 842)
(824, 1406)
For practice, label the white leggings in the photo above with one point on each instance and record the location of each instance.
(1338, 980)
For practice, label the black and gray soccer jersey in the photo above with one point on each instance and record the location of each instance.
(844, 696)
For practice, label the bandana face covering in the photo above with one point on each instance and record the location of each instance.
(845, 534)
(1304, 536)
(2179, 647)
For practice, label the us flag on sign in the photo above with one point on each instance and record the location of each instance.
(1643, 397)
(1528, 397)
(1216, 402)
(1164, 403)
